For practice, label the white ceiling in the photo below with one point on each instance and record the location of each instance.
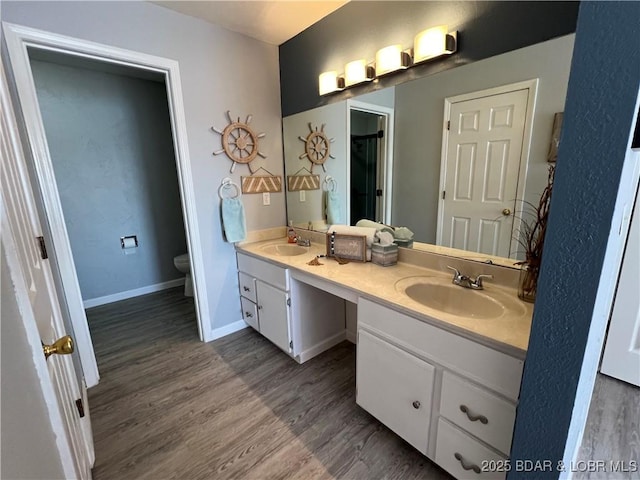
(272, 22)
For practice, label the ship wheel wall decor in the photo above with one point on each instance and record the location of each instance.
(317, 147)
(239, 142)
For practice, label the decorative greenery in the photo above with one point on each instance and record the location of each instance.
(531, 239)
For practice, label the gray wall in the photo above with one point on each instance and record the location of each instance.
(419, 120)
(28, 446)
(359, 29)
(600, 111)
(219, 71)
(112, 151)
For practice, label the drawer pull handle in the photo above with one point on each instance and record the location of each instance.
(481, 418)
(465, 465)
(248, 315)
(416, 404)
(246, 289)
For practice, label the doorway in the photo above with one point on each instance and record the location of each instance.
(19, 41)
(370, 155)
(112, 152)
(485, 152)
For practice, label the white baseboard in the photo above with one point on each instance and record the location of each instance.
(227, 330)
(94, 302)
(318, 348)
(352, 336)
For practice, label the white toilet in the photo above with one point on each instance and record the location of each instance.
(183, 264)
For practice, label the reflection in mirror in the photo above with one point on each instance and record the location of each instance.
(417, 181)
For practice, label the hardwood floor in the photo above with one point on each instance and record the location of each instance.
(612, 431)
(170, 406)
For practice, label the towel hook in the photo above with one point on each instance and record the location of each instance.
(330, 183)
(225, 186)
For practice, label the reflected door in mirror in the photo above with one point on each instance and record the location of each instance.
(481, 161)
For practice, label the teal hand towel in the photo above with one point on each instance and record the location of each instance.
(235, 227)
(333, 208)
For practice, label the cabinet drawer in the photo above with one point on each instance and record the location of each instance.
(247, 286)
(464, 457)
(265, 271)
(395, 387)
(478, 411)
(250, 313)
(496, 370)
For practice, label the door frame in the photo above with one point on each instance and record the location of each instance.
(388, 115)
(519, 201)
(18, 39)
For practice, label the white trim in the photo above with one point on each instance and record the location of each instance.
(228, 329)
(389, 119)
(136, 292)
(532, 86)
(18, 38)
(320, 347)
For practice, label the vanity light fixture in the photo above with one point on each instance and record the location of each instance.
(392, 58)
(434, 42)
(357, 72)
(329, 82)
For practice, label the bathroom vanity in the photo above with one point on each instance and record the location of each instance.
(443, 377)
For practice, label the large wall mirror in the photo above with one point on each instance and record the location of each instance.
(386, 162)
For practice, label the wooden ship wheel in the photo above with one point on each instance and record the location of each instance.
(239, 142)
(317, 147)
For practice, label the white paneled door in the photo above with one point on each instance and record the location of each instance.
(32, 274)
(622, 350)
(481, 163)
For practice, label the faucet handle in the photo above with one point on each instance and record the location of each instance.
(457, 276)
(478, 281)
(455, 270)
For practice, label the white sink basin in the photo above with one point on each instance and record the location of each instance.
(285, 250)
(441, 295)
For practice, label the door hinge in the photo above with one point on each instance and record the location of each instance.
(291, 344)
(444, 194)
(380, 133)
(80, 407)
(288, 302)
(43, 248)
(379, 192)
(448, 124)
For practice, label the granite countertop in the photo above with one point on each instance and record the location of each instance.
(508, 333)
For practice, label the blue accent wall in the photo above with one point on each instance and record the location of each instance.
(599, 113)
(359, 29)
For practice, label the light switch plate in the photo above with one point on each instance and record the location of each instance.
(266, 198)
(303, 196)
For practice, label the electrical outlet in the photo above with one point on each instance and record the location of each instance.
(266, 198)
(303, 196)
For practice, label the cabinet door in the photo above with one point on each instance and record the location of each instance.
(273, 314)
(395, 387)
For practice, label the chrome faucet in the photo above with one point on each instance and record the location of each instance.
(466, 281)
(303, 242)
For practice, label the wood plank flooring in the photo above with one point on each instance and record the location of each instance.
(612, 431)
(170, 406)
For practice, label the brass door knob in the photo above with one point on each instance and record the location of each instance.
(62, 346)
(506, 212)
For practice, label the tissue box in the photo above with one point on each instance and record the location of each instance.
(384, 255)
(404, 243)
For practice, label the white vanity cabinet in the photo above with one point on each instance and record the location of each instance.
(301, 319)
(466, 392)
(265, 301)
